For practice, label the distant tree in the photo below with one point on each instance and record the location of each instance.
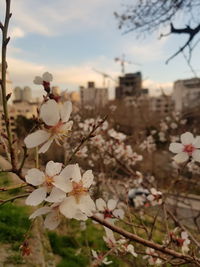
(147, 16)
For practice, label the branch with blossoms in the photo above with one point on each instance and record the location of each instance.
(135, 206)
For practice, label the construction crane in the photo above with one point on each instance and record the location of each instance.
(104, 76)
(123, 61)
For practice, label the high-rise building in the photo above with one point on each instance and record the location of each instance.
(22, 95)
(186, 94)
(129, 85)
(93, 97)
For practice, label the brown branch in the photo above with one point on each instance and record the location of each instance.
(90, 135)
(2, 202)
(5, 40)
(192, 32)
(147, 243)
(182, 227)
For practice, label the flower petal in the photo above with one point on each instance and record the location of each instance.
(37, 138)
(65, 111)
(52, 220)
(176, 147)
(87, 178)
(196, 142)
(35, 177)
(118, 213)
(47, 77)
(46, 146)
(196, 155)
(56, 195)
(181, 157)
(41, 211)
(101, 204)
(112, 204)
(87, 205)
(38, 80)
(62, 183)
(49, 112)
(68, 207)
(66, 127)
(79, 215)
(72, 171)
(187, 138)
(53, 168)
(36, 197)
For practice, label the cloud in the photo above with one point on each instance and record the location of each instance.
(16, 32)
(151, 50)
(157, 87)
(22, 73)
(60, 16)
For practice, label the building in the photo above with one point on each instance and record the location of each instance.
(93, 97)
(25, 109)
(186, 94)
(161, 105)
(129, 85)
(22, 95)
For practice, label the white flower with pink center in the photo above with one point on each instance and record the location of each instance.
(108, 211)
(189, 147)
(78, 204)
(99, 259)
(46, 182)
(155, 197)
(152, 257)
(56, 125)
(121, 245)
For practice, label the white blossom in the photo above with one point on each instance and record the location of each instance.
(45, 180)
(108, 211)
(78, 204)
(46, 77)
(55, 117)
(187, 148)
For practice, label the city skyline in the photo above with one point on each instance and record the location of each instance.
(69, 43)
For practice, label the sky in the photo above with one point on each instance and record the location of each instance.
(71, 38)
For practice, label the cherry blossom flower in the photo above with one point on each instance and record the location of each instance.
(78, 204)
(53, 218)
(180, 239)
(108, 211)
(117, 135)
(99, 259)
(121, 245)
(155, 197)
(57, 127)
(186, 242)
(44, 80)
(45, 180)
(187, 148)
(152, 257)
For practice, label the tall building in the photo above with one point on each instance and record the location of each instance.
(186, 94)
(129, 85)
(161, 105)
(22, 95)
(93, 97)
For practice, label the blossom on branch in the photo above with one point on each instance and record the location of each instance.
(78, 204)
(45, 180)
(56, 125)
(44, 80)
(108, 211)
(189, 147)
